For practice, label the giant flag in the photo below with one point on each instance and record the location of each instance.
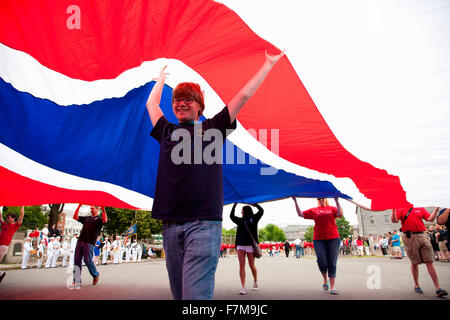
(75, 76)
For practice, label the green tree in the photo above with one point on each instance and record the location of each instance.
(231, 231)
(309, 234)
(272, 233)
(228, 236)
(344, 227)
(119, 220)
(33, 217)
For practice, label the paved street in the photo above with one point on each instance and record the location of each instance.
(280, 278)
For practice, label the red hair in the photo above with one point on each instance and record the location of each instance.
(189, 89)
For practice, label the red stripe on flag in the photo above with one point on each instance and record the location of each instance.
(16, 189)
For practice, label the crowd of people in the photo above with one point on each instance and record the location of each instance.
(391, 244)
(52, 252)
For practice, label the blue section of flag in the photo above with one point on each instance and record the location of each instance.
(109, 141)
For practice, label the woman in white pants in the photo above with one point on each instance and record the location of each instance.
(134, 251)
(139, 252)
(65, 252)
(105, 250)
(116, 249)
(122, 251)
(56, 251)
(27, 247)
(50, 253)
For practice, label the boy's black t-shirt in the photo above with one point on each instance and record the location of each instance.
(189, 191)
(91, 229)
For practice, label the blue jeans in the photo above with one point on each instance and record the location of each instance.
(327, 253)
(192, 252)
(85, 251)
(298, 251)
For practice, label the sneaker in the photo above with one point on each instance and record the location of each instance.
(334, 292)
(242, 292)
(418, 290)
(441, 292)
(76, 285)
(2, 276)
(255, 286)
(95, 280)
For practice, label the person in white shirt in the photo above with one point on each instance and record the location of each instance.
(116, 250)
(73, 245)
(139, 252)
(122, 250)
(40, 253)
(27, 247)
(105, 250)
(65, 251)
(298, 247)
(134, 251)
(44, 234)
(127, 251)
(50, 252)
(56, 250)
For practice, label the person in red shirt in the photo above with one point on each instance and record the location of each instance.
(326, 238)
(417, 243)
(9, 227)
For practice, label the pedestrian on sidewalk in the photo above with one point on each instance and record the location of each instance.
(326, 238)
(86, 241)
(9, 227)
(417, 243)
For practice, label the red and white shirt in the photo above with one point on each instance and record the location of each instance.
(325, 227)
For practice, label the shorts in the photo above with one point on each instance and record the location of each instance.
(397, 249)
(418, 248)
(248, 249)
(3, 251)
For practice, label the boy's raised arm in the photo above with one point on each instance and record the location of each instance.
(154, 99)
(238, 101)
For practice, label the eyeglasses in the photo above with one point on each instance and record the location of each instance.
(188, 100)
(320, 198)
